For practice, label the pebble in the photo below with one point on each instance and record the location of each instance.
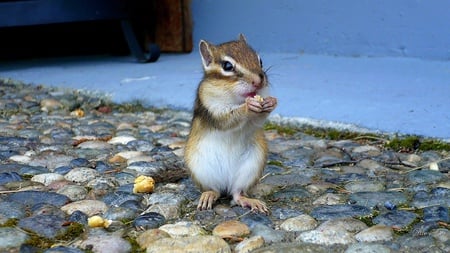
(231, 229)
(87, 206)
(375, 234)
(190, 244)
(148, 237)
(79, 156)
(11, 238)
(106, 244)
(182, 229)
(249, 244)
(300, 223)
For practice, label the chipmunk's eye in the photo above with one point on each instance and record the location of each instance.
(227, 66)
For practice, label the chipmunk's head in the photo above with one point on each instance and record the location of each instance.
(233, 67)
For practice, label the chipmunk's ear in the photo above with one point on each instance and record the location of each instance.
(206, 54)
(242, 37)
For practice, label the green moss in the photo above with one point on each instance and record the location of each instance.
(132, 107)
(275, 163)
(413, 143)
(10, 223)
(134, 245)
(286, 130)
(73, 231)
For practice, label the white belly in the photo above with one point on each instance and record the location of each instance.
(226, 161)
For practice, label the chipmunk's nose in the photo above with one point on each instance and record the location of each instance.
(258, 81)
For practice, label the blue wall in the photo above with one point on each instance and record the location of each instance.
(407, 28)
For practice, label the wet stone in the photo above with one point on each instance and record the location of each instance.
(48, 226)
(436, 213)
(31, 198)
(7, 177)
(372, 199)
(425, 176)
(117, 198)
(149, 220)
(396, 218)
(437, 196)
(339, 211)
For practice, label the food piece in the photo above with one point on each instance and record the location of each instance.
(259, 98)
(97, 221)
(143, 184)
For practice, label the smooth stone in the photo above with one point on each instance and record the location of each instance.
(300, 223)
(441, 234)
(89, 207)
(396, 218)
(79, 162)
(182, 229)
(327, 234)
(148, 237)
(11, 210)
(418, 244)
(123, 140)
(31, 198)
(367, 248)
(231, 229)
(425, 176)
(62, 170)
(169, 211)
(249, 244)
(149, 220)
(106, 244)
(190, 244)
(269, 234)
(101, 167)
(437, 196)
(144, 168)
(81, 175)
(95, 145)
(63, 249)
(372, 199)
(11, 238)
(118, 213)
(79, 217)
(252, 219)
(436, 213)
(73, 192)
(329, 199)
(51, 161)
(349, 224)
(286, 180)
(32, 170)
(117, 198)
(20, 158)
(347, 177)
(339, 211)
(285, 213)
(48, 226)
(297, 247)
(375, 234)
(47, 178)
(7, 177)
(364, 186)
(372, 150)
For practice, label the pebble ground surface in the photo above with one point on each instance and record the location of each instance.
(68, 156)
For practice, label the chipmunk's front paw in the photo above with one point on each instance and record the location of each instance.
(254, 104)
(269, 104)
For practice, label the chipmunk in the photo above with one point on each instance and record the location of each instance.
(226, 150)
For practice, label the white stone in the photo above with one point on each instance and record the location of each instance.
(81, 175)
(300, 223)
(47, 178)
(121, 140)
(182, 229)
(89, 207)
(191, 244)
(375, 234)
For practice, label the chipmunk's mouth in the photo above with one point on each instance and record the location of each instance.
(250, 94)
